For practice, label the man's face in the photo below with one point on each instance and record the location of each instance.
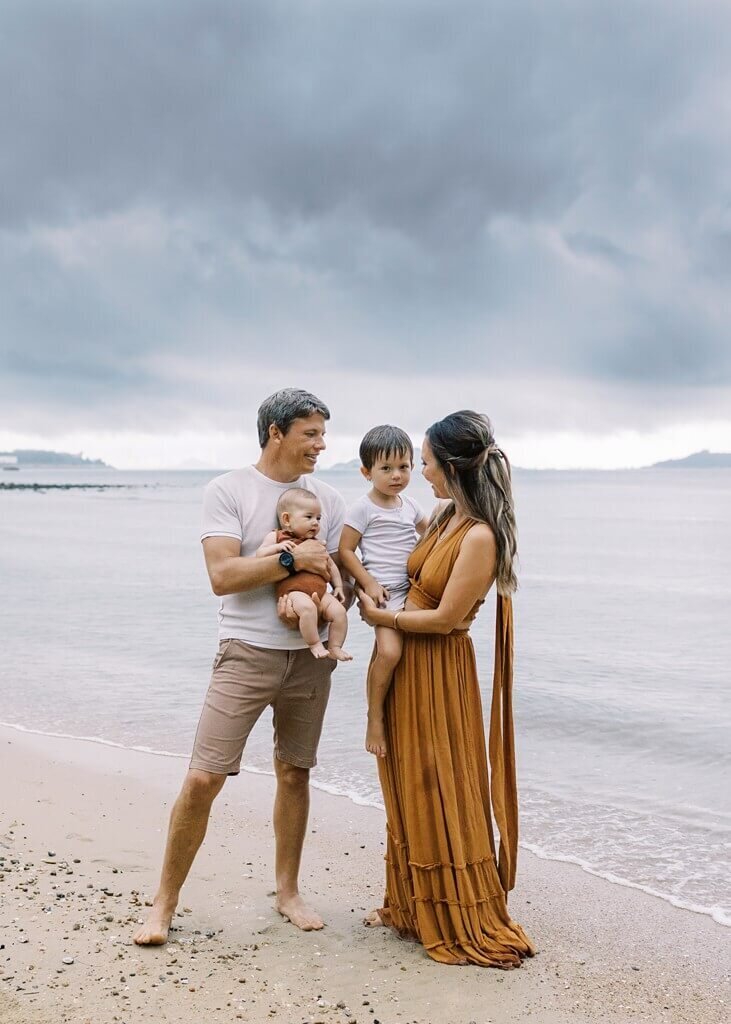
(300, 447)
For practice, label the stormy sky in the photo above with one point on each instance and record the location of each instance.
(406, 207)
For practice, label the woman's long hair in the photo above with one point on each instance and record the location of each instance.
(478, 478)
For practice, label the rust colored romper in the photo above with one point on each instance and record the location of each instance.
(303, 582)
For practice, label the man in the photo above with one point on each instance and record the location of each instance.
(260, 662)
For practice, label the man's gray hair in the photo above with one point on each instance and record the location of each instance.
(285, 406)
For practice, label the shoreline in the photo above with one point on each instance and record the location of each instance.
(714, 913)
(84, 823)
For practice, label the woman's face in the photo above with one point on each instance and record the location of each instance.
(432, 471)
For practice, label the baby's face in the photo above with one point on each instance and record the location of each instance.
(304, 520)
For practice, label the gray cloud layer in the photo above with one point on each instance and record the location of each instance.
(198, 193)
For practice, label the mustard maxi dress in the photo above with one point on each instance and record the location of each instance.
(446, 885)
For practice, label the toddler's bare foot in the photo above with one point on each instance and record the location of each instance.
(338, 654)
(375, 741)
(373, 920)
(319, 650)
(294, 909)
(154, 932)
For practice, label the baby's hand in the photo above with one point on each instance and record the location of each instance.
(377, 594)
(339, 594)
(286, 545)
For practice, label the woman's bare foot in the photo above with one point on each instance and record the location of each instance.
(154, 932)
(338, 654)
(375, 741)
(294, 909)
(373, 920)
(319, 650)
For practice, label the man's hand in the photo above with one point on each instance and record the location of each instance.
(287, 614)
(378, 594)
(312, 556)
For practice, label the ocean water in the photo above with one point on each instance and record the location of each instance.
(623, 653)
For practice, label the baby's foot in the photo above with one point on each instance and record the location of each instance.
(375, 741)
(319, 650)
(338, 654)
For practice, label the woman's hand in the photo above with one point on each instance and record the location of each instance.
(369, 610)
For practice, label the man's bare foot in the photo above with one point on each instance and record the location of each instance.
(338, 654)
(373, 920)
(154, 932)
(294, 909)
(319, 650)
(375, 741)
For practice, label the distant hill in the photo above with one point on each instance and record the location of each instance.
(354, 464)
(33, 457)
(698, 460)
(339, 467)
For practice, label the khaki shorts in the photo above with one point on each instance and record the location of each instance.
(245, 681)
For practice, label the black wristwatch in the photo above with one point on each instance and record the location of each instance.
(286, 560)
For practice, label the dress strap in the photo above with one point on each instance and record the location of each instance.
(503, 785)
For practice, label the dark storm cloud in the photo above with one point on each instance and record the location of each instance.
(539, 187)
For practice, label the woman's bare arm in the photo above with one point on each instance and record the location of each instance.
(472, 575)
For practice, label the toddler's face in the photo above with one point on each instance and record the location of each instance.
(303, 520)
(390, 475)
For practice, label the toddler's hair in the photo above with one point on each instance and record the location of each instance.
(294, 497)
(384, 442)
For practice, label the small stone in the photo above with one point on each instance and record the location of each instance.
(68, 960)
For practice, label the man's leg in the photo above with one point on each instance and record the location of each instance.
(298, 714)
(188, 824)
(291, 811)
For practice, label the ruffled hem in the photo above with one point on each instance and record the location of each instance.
(457, 911)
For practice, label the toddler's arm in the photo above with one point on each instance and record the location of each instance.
(269, 545)
(336, 580)
(349, 541)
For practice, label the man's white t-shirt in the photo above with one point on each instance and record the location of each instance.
(243, 505)
(388, 536)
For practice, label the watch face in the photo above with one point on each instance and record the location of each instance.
(286, 559)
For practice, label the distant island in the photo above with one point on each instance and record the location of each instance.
(698, 460)
(23, 457)
(354, 464)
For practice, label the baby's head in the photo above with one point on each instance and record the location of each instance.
(387, 458)
(299, 513)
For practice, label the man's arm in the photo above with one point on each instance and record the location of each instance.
(229, 573)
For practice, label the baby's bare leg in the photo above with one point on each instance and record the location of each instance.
(334, 613)
(389, 645)
(306, 611)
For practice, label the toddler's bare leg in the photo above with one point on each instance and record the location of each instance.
(389, 644)
(334, 613)
(306, 611)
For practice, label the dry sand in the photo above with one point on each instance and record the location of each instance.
(81, 837)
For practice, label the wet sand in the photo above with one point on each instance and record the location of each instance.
(81, 833)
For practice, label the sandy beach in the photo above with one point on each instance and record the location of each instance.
(80, 843)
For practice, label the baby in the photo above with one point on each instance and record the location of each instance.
(299, 514)
(385, 526)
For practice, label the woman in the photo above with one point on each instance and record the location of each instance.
(444, 886)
